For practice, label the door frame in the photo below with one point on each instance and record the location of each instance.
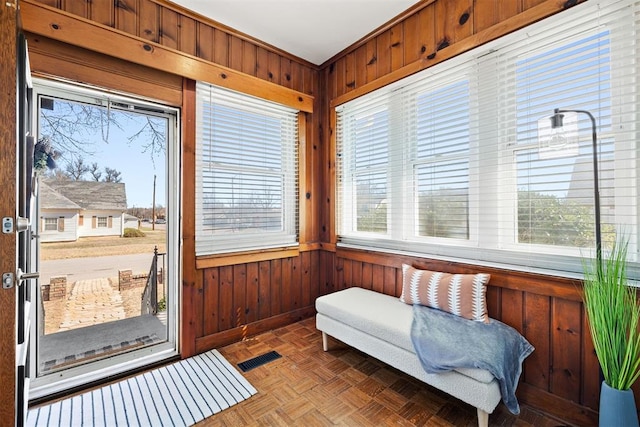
(92, 372)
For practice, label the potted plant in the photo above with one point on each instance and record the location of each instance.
(614, 315)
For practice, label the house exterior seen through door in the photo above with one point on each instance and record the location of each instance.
(106, 169)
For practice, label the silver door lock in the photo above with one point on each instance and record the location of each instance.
(7, 280)
(7, 225)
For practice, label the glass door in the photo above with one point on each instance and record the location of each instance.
(107, 176)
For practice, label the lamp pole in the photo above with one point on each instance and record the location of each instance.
(556, 122)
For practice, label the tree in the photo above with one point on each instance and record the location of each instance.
(72, 130)
(76, 169)
(57, 175)
(112, 175)
(95, 171)
(68, 125)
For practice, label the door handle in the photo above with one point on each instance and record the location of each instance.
(26, 276)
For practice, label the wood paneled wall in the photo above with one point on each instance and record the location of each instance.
(242, 300)
(562, 375)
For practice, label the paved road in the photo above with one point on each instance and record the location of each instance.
(94, 268)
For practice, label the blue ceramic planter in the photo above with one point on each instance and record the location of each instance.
(617, 407)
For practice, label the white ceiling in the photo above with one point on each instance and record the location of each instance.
(314, 30)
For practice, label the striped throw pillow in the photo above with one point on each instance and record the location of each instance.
(459, 294)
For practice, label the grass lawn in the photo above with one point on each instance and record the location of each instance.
(103, 246)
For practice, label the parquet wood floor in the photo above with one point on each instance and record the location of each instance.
(343, 387)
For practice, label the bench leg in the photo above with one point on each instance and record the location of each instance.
(325, 341)
(483, 418)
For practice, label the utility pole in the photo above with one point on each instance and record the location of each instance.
(153, 206)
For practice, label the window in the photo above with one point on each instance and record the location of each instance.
(102, 222)
(555, 195)
(447, 162)
(54, 224)
(51, 224)
(247, 172)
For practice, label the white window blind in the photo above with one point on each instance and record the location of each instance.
(447, 162)
(246, 172)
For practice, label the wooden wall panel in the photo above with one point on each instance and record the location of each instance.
(356, 274)
(285, 72)
(210, 300)
(249, 59)
(489, 12)
(396, 45)
(221, 47)
(76, 7)
(275, 285)
(377, 278)
(243, 299)
(511, 312)
(383, 54)
(205, 42)
(285, 285)
(262, 63)
(567, 349)
(239, 284)
(102, 12)
(253, 292)
(296, 284)
(226, 303)
(350, 71)
(187, 35)
(264, 280)
(453, 22)
(537, 326)
(126, 16)
(236, 57)
(168, 33)
(360, 57)
(411, 45)
(305, 271)
(148, 18)
(371, 63)
(367, 275)
(340, 74)
(274, 68)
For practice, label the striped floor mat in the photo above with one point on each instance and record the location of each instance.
(180, 394)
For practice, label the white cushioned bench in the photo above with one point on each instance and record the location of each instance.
(380, 325)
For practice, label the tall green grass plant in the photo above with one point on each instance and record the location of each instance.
(613, 313)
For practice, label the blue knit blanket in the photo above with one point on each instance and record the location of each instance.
(444, 342)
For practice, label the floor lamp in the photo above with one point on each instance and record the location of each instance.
(560, 139)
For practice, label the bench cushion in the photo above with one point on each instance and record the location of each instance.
(379, 315)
